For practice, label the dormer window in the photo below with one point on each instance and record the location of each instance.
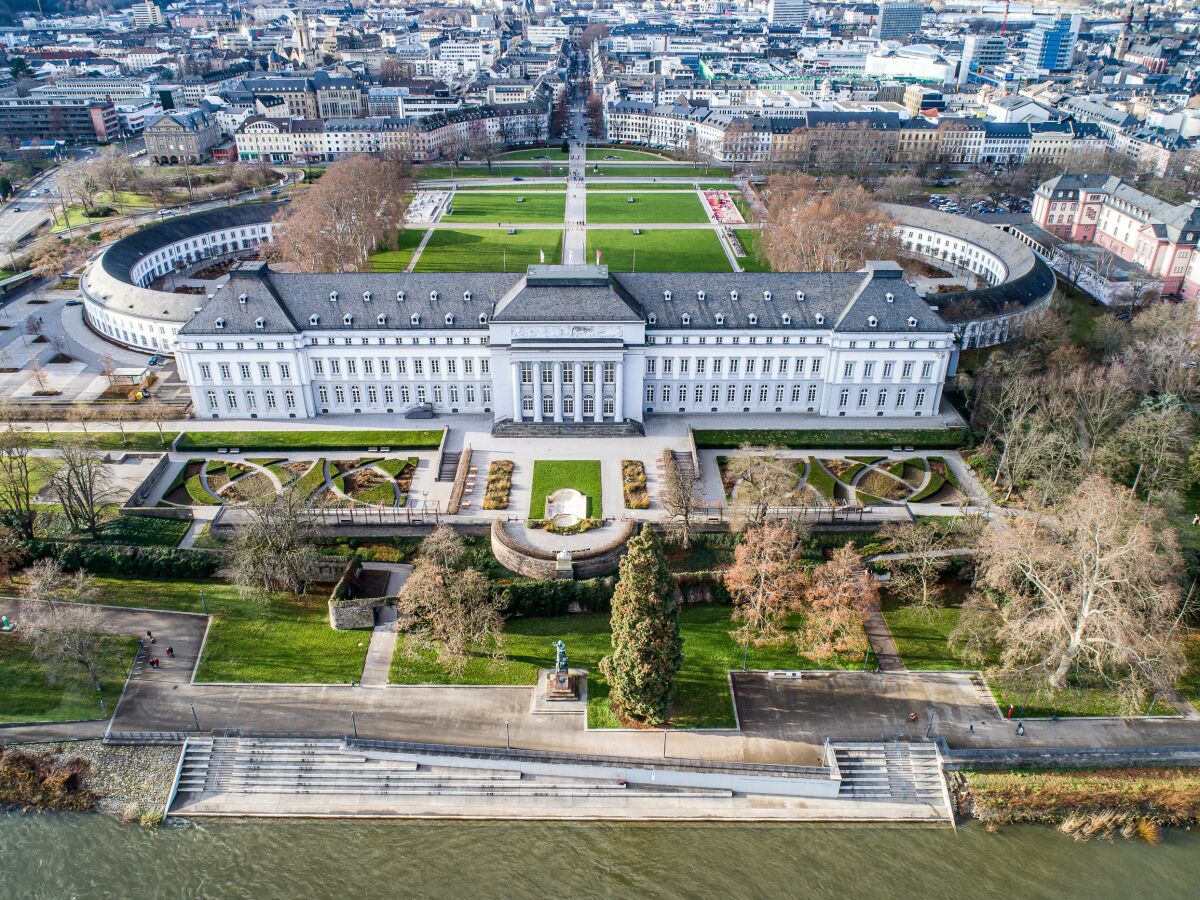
(381, 319)
(786, 318)
(483, 318)
(242, 298)
(314, 320)
(685, 319)
(399, 296)
(819, 319)
(800, 296)
(652, 319)
(890, 297)
(872, 321)
(767, 296)
(719, 318)
(366, 296)
(333, 296)
(449, 318)
(467, 296)
(752, 318)
(347, 319)
(733, 295)
(220, 323)
(415, 319)
(260, 323)
(433, 296)
(667, 296)
(912, 322)
(700, 296)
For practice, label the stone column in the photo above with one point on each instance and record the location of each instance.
(578, 392)
(537, 392)
(598, 411)
(619, 392)
(558, 391)
(516, 390)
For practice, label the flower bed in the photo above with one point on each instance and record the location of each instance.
(499, 484)
(633, 483)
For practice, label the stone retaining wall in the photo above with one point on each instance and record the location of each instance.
(537, 562)
(356, 613)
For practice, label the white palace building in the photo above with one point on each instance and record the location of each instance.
(558, 348)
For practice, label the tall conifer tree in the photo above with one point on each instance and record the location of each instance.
(647, 647)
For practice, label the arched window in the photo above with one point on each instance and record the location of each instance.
(589, 405)
(609, 406)
(527, 404)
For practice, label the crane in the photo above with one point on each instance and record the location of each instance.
(1004, 24)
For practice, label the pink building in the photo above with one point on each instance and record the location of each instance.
(1141, 229)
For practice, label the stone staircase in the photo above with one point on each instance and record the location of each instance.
(891, 771)
(684, 463)
(509, 428)
(449, 465)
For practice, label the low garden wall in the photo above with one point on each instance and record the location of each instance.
(347, 608)
(537, 562)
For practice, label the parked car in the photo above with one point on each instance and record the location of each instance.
(74, 303)
(154, 360)
(16, 209)
(518, 178)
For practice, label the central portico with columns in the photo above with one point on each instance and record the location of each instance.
(574, 348)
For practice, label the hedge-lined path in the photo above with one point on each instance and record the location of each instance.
(385, 636)
(883, 645)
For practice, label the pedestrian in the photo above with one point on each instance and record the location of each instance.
(1010, 712)
(150, 637)
(170, 651)
(154, 663)
(1020, 729)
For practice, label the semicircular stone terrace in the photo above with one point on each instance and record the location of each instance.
(118, 299)
(1018, 281)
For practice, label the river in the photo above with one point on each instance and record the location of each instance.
(87, 856)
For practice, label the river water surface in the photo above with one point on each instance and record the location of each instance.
(60, 856)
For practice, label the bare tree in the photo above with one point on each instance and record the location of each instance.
(275, 549)
(1149, 451)
(81, 415)
(839, 594)
(766, 582)
(1091, 588)
(449, 609)
(760, 481)
(83, 486)
(38, 371)
(108, 368)
(679, 493)
(120, 415)
(64, 632)
(19, 473)
(159, 413)
(923, 557)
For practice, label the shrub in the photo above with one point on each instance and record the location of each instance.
(44, 781)
(499, 484)
(529, 597)
(116, 559)
(633, 484)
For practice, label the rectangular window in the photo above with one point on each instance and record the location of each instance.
(733, 366)
(405, 394)
(920, 398)
(547, 373)
(901, 397)
(212, 399)
(437, 393)
(231, 399)
(700, 364)
(683, 366)
(368, 367)
(389, 395)
(887, 369)
(251, 400)
(731, 394)
(372, 396)
(812, 395)
(668, 365)
(244, 371)
(206, 371)
(452, 367)
(418, 367)
(385, 367)
(435, 367)
(747, 393)
(270, 398)
(848, 372)
(485, 366)
(421, 396)
(799, 369)
(766, 368)
(926, 371)
(339, 394)
(816, 367)
(881, 400)
(714, 395)
(763, 393)
(717, 366)
(868, 370)
(610, 372)
(470, 393)
(226, 374)
(906, 370)
(666, 393)
(323, 394)
(526, 373)
(649, 393)
(351, 367)
(468, 366)
(796, 393)
(843, 398)
(568, 373)
(264, 370)
(402, 367)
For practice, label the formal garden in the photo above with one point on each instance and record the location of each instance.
(635, 208)
(658, 249)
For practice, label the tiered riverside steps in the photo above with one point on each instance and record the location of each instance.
(317, 777)
(893, 771)
(449, 465)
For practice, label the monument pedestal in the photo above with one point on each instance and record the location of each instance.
(550, 697)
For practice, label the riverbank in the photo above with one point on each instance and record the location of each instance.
(1083, 802)
(128, 781)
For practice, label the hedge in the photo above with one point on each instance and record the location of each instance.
(116, 559)
(307, 440)
(832, 438)
(529, 597)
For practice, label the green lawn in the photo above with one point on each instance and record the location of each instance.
(31, 694)
(658, 250)
(728, 439)
(281, 639)
(136, 531)
(105, 440)
(754, 261)
(551, 474)
(681, 170)
(921, 635)
(597, 154)
(463, 250)
(509, 207)
(397, 260)
(554, 154)
(509, 188)
(499, 170)
(702, 698)
(634, 186)
(1189, 685)
(607, 209)
(308, 440)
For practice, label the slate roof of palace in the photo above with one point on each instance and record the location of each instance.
(286, 302)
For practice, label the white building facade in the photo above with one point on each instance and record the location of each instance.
(561, 346)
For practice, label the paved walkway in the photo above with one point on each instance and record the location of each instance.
(381, 649)
(882, 642)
